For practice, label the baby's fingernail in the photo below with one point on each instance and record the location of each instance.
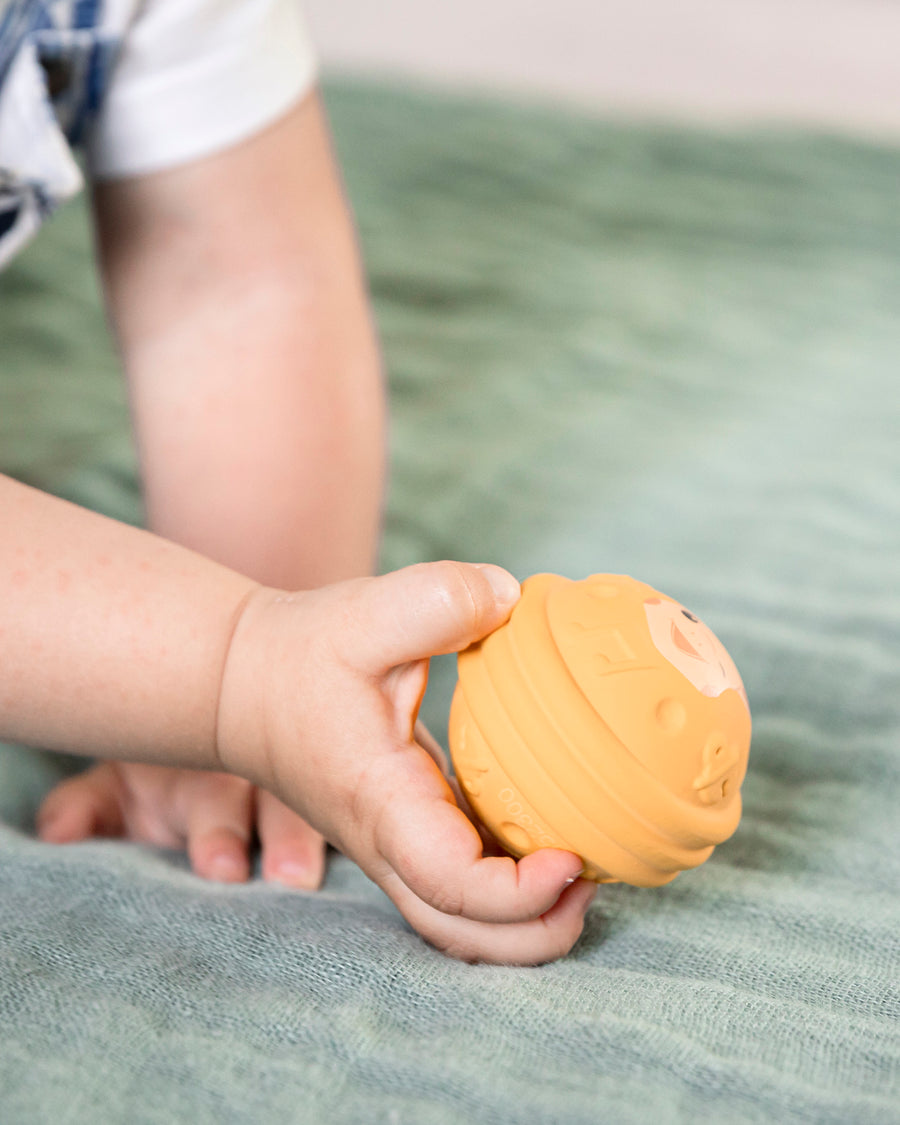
(293, 874)
(573, 878)
(505, 587)
(227, 868)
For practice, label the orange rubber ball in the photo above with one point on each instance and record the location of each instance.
(605, 719)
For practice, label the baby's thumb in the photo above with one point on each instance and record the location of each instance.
(430, 608)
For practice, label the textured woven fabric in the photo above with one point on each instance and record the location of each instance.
(664, 353)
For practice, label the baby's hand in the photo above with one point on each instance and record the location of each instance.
(318, 705)
(212, 815)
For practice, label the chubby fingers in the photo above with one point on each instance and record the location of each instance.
(88, 804)
(426, 840)
(500, 911)
(534, 942)
(293, 852)
(217, 813)
(426, 609)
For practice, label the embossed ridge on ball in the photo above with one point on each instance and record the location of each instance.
(603, 718)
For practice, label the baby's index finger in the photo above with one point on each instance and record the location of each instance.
(437, 853)
(514, 943)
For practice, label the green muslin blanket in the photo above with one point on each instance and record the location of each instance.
(645, 350)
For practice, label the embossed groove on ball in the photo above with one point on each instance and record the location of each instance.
(606, 719)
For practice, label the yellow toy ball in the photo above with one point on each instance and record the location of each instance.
(605, 719)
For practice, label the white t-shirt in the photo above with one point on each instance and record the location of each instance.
(143, 84)
(195, 76)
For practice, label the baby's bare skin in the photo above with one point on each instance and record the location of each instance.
(258, 401)
(225, 701)
(124, 643)
(210, 815)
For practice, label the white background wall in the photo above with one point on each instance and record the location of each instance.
(834, 63)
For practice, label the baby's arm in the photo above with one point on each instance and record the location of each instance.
(112, 640)
(236, 292)
(117, 641)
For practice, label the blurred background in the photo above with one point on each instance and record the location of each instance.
(826, 63)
